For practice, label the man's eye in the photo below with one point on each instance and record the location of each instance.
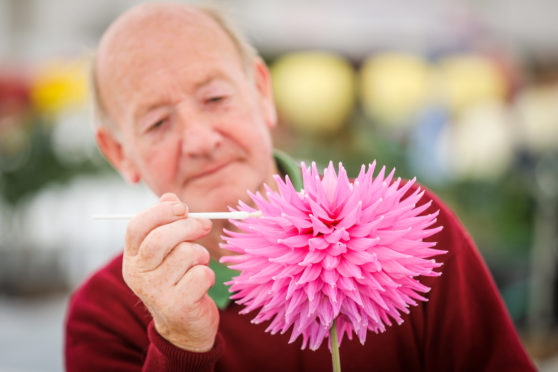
(157, 124)
(216, 99)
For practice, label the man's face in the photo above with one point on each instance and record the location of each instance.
(191, 121)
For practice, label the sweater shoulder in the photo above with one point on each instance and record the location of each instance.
(453, 237)
(106, 279)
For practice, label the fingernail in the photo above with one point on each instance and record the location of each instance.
(204, 249)
(206, 224)
(179, 209)
(168, 196)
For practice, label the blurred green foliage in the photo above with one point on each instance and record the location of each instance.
(36, 164)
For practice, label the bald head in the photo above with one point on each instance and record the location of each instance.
(148, 31)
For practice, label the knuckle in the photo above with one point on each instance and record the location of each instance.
(196, 253)
(195, 228)
(203, 273)
(202, 253)
(133, 227)
(147, 252)
(151, 245)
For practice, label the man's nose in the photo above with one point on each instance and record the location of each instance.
(200, 136)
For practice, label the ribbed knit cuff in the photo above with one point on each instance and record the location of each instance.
(164, 355)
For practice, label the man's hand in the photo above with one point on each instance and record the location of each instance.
(169, 273)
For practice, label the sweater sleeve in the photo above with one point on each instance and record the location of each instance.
(163, 356)
(468, 327)
(109, 329)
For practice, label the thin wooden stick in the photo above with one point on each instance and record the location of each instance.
(235, 215)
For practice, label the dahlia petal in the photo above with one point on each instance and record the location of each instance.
(317, 243)
(365, 229)
(351, 217)
(313, 257)
(313, 288)
(326, 313)
(337, 249)
(355, 296)
(346, 284)
(331, 292)
(310, 273)
(389, 236)
(330, 277)
(330, 262)
(287, 189)
(262, 316)
(347, 269)
(293, 305)
(313, 306)
(370, 309)
(343, 188)
(360, 257)
(274, 302)
(294, 255)
(421, 208)
(418, 234)
(360, 244)
(276, 324)
(329, 182)
(319, 227)
(319, 211)
(289, 271)
(295, 241)
(370, 210)
(300, 223)
(291, 288)
(352, 312)
(336, 235)
(372, 266)
(249, 265)
(378, 182)
(266, 272)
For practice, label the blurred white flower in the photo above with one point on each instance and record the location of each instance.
(479, 145)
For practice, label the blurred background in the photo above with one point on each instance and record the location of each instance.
(462, 94)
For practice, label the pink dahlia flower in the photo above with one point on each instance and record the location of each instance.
(337, 250)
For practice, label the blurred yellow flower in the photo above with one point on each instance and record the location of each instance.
(314, 91)
(466, 80)
(394, 86)
(537, 109)
(60, 85)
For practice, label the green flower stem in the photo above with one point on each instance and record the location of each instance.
(334, 347)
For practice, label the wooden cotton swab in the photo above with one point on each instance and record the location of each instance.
(235, 215)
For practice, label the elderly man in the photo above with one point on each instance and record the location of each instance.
(185, 105)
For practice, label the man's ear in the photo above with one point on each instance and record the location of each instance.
(262, 79)
(113, 150)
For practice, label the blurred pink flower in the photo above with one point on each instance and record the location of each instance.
(335, 250)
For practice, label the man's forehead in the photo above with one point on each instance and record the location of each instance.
(152, 25)
(153, 16)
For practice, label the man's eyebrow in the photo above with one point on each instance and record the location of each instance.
(146, 107)
(210, 79)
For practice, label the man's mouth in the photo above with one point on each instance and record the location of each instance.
(211, 169)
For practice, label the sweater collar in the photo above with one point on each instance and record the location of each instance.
(220, 292)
